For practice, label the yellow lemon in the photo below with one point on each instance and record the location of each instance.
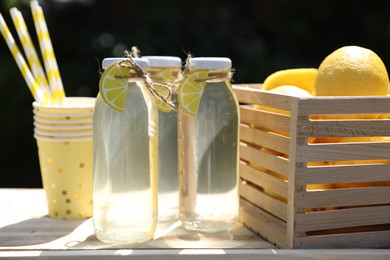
(287, 90)
(291, 91)
(303, 78)
(352, 71)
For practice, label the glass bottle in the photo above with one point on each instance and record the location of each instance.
(166, 70)
(125, 164)
(208, 153)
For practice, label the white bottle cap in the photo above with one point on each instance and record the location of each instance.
(211, 63)
(163, 61)
(142, 62)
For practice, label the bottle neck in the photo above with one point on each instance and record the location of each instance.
(164, 75)
(134, 76)
(219, 75)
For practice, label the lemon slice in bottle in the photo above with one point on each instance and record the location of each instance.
(191, 89)
(113, 86)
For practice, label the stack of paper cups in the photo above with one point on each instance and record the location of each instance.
(64, 138)
(72, 120)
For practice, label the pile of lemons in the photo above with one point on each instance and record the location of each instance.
(348, 71)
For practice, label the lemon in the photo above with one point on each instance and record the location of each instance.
(191, 89)
(113, 86)
(287, 90)
(303, 78)
(352, 71)
(291, 91)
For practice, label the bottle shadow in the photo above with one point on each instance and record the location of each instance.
(36, 231)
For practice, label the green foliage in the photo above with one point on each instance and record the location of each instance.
(7, 4)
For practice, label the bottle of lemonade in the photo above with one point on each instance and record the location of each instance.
(166, 70)
(125, 139)
(208, 146)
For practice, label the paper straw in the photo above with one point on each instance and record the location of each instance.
(29, 49)
(47, 51)
(38, 93)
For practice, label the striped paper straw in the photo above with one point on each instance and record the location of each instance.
(38, 93)
(29, 49)
(53, 74)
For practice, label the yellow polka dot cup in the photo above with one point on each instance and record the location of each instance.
(65, 156)
(67, 177)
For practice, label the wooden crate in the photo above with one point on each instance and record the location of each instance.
(299, 194)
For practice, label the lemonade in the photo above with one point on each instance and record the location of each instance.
(125, 159)
(208, 150)
(166, 70)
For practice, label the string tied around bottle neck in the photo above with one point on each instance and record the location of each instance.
(137, 72)
(212, 75)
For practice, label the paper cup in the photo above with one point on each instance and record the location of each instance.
(87, 120)
(70, 105)
(63, 116)
(63, 128)
(81, 113)
(63, 139)
(63, 134)
(66, 168)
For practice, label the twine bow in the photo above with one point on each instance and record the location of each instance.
(211, 75)
(137, 72)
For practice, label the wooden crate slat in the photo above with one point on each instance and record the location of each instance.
(260, 199)
(343, 197)
(272, 228)
(380, 239)
(266, 139)
(344, 105)
(269, 161)
(343, 174)
(342, 128)
(261, 119)
(350, 217)
(359, 205)
(250, 95)
(264, 180)
(342, 152)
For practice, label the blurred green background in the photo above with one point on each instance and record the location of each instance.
(260, 37)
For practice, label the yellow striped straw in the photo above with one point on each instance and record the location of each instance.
(38, 93)
(52, 72)
(29, 49)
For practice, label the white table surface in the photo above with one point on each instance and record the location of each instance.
(27, 232)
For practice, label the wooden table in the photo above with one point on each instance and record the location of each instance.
(27, 232)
